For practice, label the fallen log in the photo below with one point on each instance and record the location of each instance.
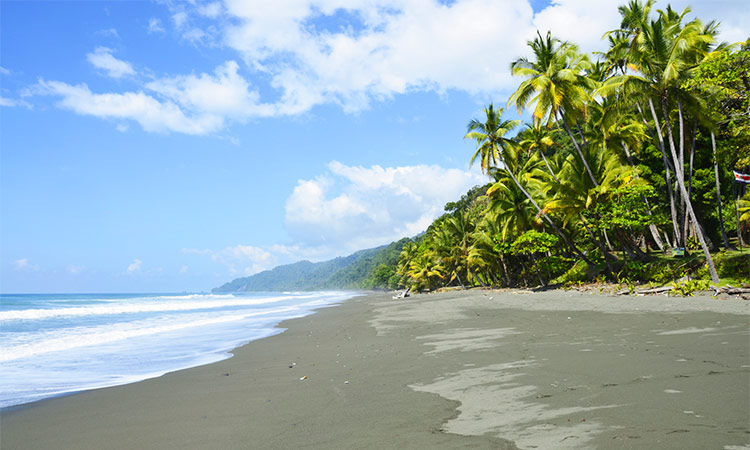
(655, 290)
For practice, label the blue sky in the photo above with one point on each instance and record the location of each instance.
(172, 146)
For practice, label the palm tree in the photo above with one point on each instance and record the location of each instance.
(490, 137)
(538, 138)
(556, 82)
(662, 52)
(491, 133)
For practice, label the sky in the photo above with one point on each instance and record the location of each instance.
(169, 146)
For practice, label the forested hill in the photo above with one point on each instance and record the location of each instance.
(365, 269)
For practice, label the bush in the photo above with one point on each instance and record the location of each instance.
(576, 274)
(732, 266)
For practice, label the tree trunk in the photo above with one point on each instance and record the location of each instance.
(547, 218)
(690, 174)
(578, 148)
(718, 193)
(599, 244)
(549, 168)
(683, 191)
(681, 162)
(667, 175)
(651, 227)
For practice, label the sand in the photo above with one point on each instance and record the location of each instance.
(472, 369)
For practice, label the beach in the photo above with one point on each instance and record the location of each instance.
(500, 369)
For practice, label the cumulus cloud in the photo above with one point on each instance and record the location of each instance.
(223, 94)
(354, 207)
(304, 53)
(135, 266)
(152, 114)
(102, 58)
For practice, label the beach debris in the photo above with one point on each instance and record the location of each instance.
(346, 382)
(303, 378)
(402, 294)
(226, 374)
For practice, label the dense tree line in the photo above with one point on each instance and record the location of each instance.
(630, 154)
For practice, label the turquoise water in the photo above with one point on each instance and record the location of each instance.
(51, 344)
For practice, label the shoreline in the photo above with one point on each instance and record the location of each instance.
(480, 369)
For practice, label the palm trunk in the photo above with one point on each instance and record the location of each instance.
(546, 163)
(599, 244)
(681, 162)
(577, 147)
(547, 218)
(505, 270)
(686, 222)
(718, 193)
(652, 228)
(683, 190)
(667, 165)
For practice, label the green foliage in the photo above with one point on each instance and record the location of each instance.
(365, 269)
(534, 242)
(467, 200)
(733, 265)
(588, 178)
(688, 287)
(577, 273)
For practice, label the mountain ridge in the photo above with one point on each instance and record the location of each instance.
(358, 270)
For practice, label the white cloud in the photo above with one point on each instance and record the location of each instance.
(135, 266)
(211, 10)
(150, 113)
(582, 22)
(350, 53)
(224, 94)
(10, 102)
(354, 207)
(23, 265)
(4, 71)
(154, 26)
(180, 19)
(102, 59)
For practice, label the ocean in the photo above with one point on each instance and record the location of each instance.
(52, 344)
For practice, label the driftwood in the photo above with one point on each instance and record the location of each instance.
(402, 294)
(655, 290)
(730, 290)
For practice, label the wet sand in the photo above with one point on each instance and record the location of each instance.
(473, 369)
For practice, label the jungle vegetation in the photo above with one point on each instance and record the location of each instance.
(629, 155)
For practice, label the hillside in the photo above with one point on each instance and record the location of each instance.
(365, 269)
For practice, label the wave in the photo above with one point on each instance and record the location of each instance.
(90, 336)
(138, 305)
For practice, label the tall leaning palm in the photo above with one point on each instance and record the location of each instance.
(662, 53)
(489, 135)
(556, 83)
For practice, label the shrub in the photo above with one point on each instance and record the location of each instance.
(576, 274)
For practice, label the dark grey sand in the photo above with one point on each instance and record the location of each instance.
(477, 369)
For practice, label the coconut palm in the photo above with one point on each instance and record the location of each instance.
(489, 135)
(556, 83)
(661, 54)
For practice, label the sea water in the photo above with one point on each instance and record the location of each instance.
(51, 344)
